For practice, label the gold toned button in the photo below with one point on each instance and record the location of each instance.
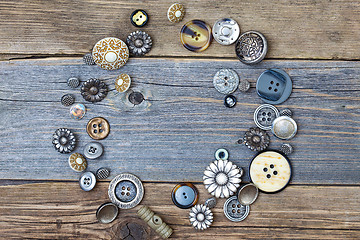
(122, 82)
(110, 53)
(196, 35)
(98, 128)
(77, 162)
(176, 13)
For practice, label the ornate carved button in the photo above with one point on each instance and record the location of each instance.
(73, 82)
(256, 139)
(77, 162)
(176, 12)
(201, 217)
(226, 31)
(110, 53)
(64, 140)
(226, 81)
(139, 43)
(94, 90)
(122, 83)
(184, 195)
(286, 149)
(107, 213)
(264, 115)
(284, 127)
(196, 35)
(230, 101)
(87, 181)
(251, 47)
(139, 18)
(270, 171)
(98, 128)
(78, 111)
(93, 150)
(67, 100)
(234, 211)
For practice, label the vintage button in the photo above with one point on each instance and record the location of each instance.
(102, 173)
(139, 18)
(264, 115)
(93, 150)
(98, 128)
(274, 86)
(67, 100)
(210, 202)
(94, 90)
(244, 85)
(286, 112)
(155, 222)
(126, 191)
(286, 149)
(64, 140)
(226, 31)
(122, 82)
(107, 213)
(284, 127)
(251, 47)
(201, 217)
(136, 97)
(226, 81)
(234, 210)
(184, 195)
(176, 12)
(139, 43)
(87, 181)
(73, 82)
(196, 35)
(77, 111)
(77, 162)
(256, 139)
(88, 59)
(230, 101)
(221, 154)
(270, 171)
(248, 194)
(110, 53)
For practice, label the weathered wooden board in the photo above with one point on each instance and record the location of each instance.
(173, 135)
(295, 29)
(52, 209)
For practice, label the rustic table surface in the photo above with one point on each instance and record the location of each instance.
(172, 136)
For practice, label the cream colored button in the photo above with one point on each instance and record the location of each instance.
(77, 162)
(122, 82)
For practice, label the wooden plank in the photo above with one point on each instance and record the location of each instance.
(296, 30)
(60, 210)
(173, 135)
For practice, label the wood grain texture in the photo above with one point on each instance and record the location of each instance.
(294, 29)
(172, 136)
(61, 210)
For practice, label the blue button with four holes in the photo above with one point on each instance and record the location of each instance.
(185, 195)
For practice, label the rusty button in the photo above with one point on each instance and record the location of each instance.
(98, 128)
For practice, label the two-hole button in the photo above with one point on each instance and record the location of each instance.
(185, 195)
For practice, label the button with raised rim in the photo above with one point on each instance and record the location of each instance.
(93, 150)
(139, 18)
(251, 47)
(230, 101)
(87, 181)
(196, 35)
(284, 127)
(184, 195)
(226, 81)
(234, 210)
(98, 128)
(176, 12)
(107, 213)
(77, 162)
(226, 31)
(222, 154)
(264, 115)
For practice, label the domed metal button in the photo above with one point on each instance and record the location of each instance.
(248, 194)
(107, 213)
(98, 128)
(226, 81)
(244, 85)
(93, 150)
(102, 173)
(78, 111)
(270, 171)
(234, 211)
(122, 83)
(110, 53)
(139, 43)
(226, 31)
(221, 154)
(196, 35)
(264, 115)
(184, 195)
(88, 59)
(230, 101)
(284, 127)
(94, 90)
(251, 47)
(64, 140)
(67, 100)
(87, 181)
(286, 112)
(126, 191)
(77, 162)
(139, 18)
(73, 82)
(286, 149)
(274, 86)
(176, 12)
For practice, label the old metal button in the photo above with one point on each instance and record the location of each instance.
(248, 194)
(264, 115)
(87, 181)
(244, 85)
(230, 101)
(94, 90)
(210, 202)
(201, 217)
(286, 112)
(184, 195)
(226, 31)
(107, 213)
(284, 127)
(110, 53)
(274, 86)
(126, 191)
(139, 18)
(286, 149)
(139, 43)
(73, 82)
(102, 173)
(98, 128)
(234, 210)
(93, 150)
(196, 35)
(67, 100)
(270, 171)
(256, 139)
(88, 59)
(77, 111)
(176, 12)
(226, 81)
(64, 140)
(77, 162)
(251, 47)
(222, 154)
(122, 82)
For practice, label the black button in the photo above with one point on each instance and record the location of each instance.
(139, 18)
(230, 101)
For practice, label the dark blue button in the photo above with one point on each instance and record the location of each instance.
(185, 195)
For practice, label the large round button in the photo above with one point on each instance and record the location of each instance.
(251, 47)
(93, 150)
(226, 81)
(226, 31)
(185, 195)
(176, 12)
(77, 162)
(234, 211)
(196, 35)
(139, 18)
(87, 181)
(98, 128)
(264, 116)
(110, 53)
(284, 127)
(270, 171)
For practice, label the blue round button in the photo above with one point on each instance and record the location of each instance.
(185, 195)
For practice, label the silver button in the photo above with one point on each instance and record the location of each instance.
(226, 31)
(248, 194)
(226, 81)
(284, 127)
(286, 149)
(286, 112)
(244, 85)
(107, 213)
(87, 181)
(222, 154)
(93, 150)
(264, 115)
(73, 82)
(251, 47)
(234, 211)
(67, 100)
(102, 173)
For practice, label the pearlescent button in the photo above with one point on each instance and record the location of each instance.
(226, 31)
(184, 195)
(226, 81)
(93, 150)
(87, 181)
(284, 127)
(122, 83)
(77, 162)
(196, 35)
(251, 47)
(176, 12)
(139, 18)
(77, 111)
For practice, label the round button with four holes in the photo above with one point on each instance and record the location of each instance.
(264, 116)
(98, 128)
(93, 150)
(184, 195)
(234, 210)
(87, 181)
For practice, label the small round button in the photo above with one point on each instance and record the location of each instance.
(87, 181)
(221, 154)
(73, 82)
(270, 171)
(286, 112)
(234, 210)
(226, 31)
(185, 195)
(94, 90)
(64, 140)
(98, 128)
(176, 12)
(67, 100)
(122, 82)
(251, 47)
(284, 127)
(88, 59)
(102, 173)
(139, 18)
(264, 116)
(196, 35)
(230, 101)
(226, 81)
(93, 150)
(78, 111)
(77, 162)
(107, 213)
(244, 85)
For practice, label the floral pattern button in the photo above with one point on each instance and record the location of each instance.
(196, 35)
(176, 13)
(122, 82)
(77, 162)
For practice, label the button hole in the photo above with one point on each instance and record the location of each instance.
(94, 126)
(277, 84)
(238, 210)
(270, 88)
(275, 90)
(95, 131)
(272, 82)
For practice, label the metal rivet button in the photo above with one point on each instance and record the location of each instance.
(226, 81)
(248, 194)
(93, 150)
(77, 162)
(284, 127)
(230, 101)
(251, 47)
(139, 43)
(94, 90)
(201, 217)
(77, 111)
(107, 213)
(139, 18)
(110, 53)
(87, 181)
(226, 31)
(234, 211)
(176, 12)
(102, 173)
(122, 83)
(196, 35)
(264, 115)
(221, 154)
(88, 59)
(244, 85)
(184, 195)
(73, 82)
(64, 140)
(67, 100)
(98, 128)
(256, 139)
(286, 149)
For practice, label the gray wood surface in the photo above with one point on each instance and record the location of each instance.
(173, 135)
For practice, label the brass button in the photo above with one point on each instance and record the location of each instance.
(98, 128)
(77, 162)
